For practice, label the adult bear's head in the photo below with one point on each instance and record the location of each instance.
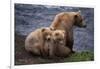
(78, 20)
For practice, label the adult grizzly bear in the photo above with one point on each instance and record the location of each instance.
(66, 21)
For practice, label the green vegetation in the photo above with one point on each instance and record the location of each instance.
(82, 56)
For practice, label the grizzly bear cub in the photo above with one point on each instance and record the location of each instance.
(58, 48)
(36, 41)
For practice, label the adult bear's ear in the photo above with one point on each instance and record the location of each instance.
(79, 11)
(76, 16)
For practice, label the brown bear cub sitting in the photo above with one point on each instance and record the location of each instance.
(65, 21)
(36, 41)
(47, 35)
(58, 48)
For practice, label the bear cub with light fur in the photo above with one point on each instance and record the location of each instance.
(36, 41)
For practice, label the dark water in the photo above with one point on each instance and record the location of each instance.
(31, 17)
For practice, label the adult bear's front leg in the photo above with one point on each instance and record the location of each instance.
(70, 40)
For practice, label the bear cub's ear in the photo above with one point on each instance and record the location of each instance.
(52, 29)
(43, 29)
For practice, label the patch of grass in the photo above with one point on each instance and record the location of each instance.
(80, 56)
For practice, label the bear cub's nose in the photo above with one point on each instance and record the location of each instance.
(48, 39)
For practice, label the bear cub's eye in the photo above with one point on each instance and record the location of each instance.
(56, 34)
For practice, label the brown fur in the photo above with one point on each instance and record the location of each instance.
(35, 41)
(58, 47)
(66, 21)
(47, 34)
